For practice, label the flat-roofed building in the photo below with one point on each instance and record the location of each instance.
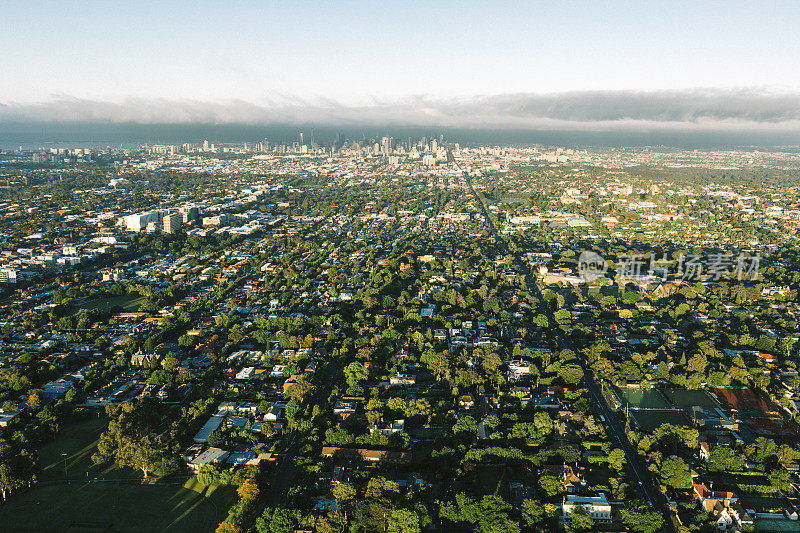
(172, 222)
(597, 507)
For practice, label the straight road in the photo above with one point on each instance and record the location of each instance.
(284, 474)
(283, 477)
(638, 472)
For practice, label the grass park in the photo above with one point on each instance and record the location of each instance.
(126, 302)
(95, 498)
(84, 506)
(70, 455)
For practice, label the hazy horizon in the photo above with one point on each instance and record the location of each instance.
(31, 135)
(663, 71)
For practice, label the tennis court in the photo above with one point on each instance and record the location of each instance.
(641, 399)
(686, 398)
(650, 420)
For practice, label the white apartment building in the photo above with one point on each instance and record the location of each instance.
(140, 221)
(8, 275)
(527, 219)
(597, 506)
(172, 223)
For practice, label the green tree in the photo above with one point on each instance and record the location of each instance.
(208, 474)
(465, 427)
(579, 520)
(292, 411)
(355, 373)
(132, 440)
(616, 458)
(532, 512)
(550, 485)
(571, 374)
(9, 480)
(437, 362)
(723, 459)
(35, 400)
(781, 480)
(379, 486)
(675, 472)
(278, 520)
(640, 517)
(344, 493)
(489, 515)
(248, 491)
(403, 521)
(562, 316)
(333, 522)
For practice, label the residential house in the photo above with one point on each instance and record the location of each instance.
(403, 380)
(209, 456)
(366, 454)
(345, 408)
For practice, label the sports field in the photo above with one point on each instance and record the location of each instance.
(641, 399)
(78, 440)
(686, 398)
(75, 495)
(650, 420)
(116, 507)
(126, 302)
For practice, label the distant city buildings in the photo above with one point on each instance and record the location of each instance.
(166, 220)
(172, 222)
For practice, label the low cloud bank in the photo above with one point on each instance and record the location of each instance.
(699, 109)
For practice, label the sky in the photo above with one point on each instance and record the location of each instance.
(536, 64)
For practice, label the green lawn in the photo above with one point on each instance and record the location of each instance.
(490, 480)
(766, 502)
(599, 474)
(773, 525)
(79, 441)
(650, 420)
(683, 398)
(128, 302)
(638, 398)
(740, 478)
(429, 433)
(116, 507)
(85, 505)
